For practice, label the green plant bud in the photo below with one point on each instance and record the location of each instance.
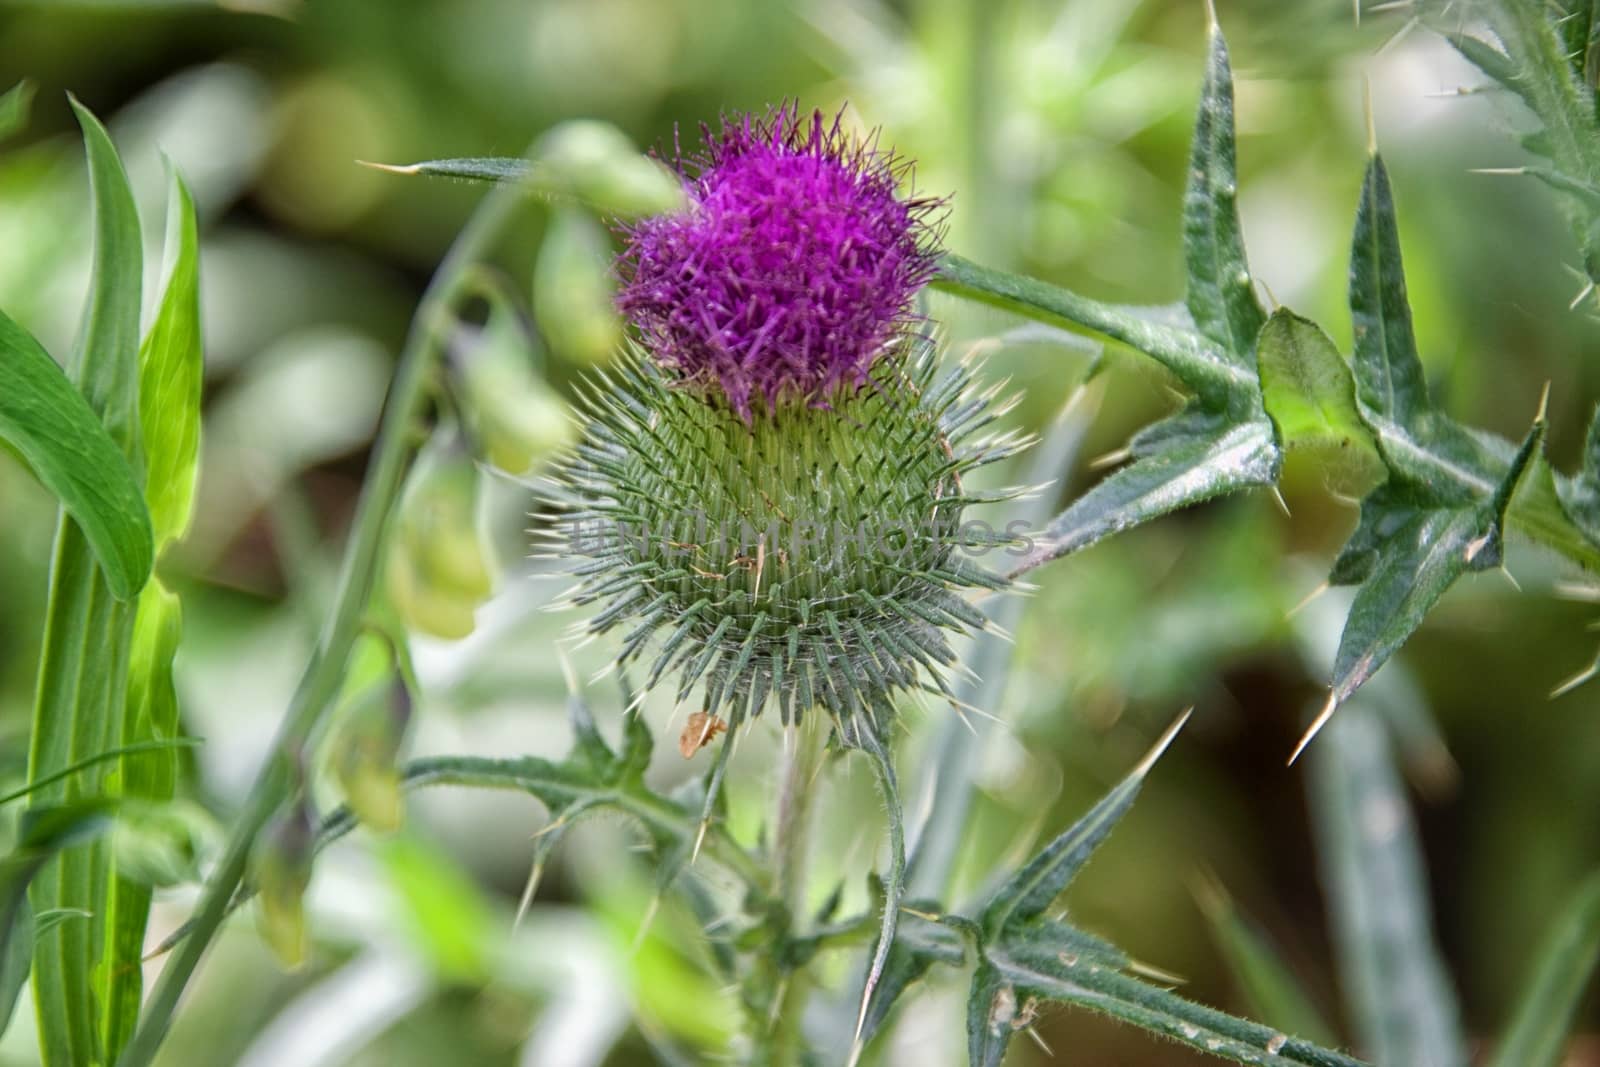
(438, 568)
(365, 752)
(814, 555)
(516, 419)
(281, 871)
(601, 166)
(573, 290)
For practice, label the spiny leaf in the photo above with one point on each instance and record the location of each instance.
(1192, 457)
(1031, 890)
(1310, 395)
(1563, 968)
(1221, 297)
(1022, 973)
(55, 432)
(171, 363)
(1372, 869)
(1270, 987)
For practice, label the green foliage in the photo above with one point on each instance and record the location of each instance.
(1405, 1009)
(14, 106)
(1537, 1036)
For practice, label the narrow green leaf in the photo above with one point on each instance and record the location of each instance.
(105, 358)
(45, 832)
(15, 105)
(1307, 389)
(1372, 869)
(1221, 297)
(47, 422)
(1026, 894)
(1192, 457)
(1563, 967)
(150, 719)
(171, 363)
(471, 169)
(83, 672)
(1271, 988)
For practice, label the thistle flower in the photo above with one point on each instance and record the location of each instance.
(793, 269)
(788, 528)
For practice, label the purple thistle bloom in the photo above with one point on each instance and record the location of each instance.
(794, 268)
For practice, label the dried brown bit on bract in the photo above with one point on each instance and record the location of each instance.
(699, 732)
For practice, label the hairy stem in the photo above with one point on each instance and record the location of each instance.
(323, 676)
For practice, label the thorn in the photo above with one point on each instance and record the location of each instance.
(1544, 401)
(1211, 16)
(390, 168)
(1162, 742)
(645, 923)
(1305, 602)
(1576, 680)
(1510, 578)
(1283, 505)
(528, 890)
(1411, 24)
(1509, 171)
(699, 839)
(568, 675)
(1355, 10)
(1392, 5)
(1316, 727)
(1037, 1040)
(1588, 594)
(1272, 298)
(1366, 107)
(1110, 459)
(1148, 971)
(1583, 295)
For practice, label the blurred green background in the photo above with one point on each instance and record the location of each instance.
(1059, 129)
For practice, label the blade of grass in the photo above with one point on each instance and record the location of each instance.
(1565, 964)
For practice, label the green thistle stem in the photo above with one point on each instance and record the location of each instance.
(320, 684)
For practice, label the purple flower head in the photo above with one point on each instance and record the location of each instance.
(794, 268)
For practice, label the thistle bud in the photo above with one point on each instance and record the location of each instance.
(598, 163)
(281, 871)
(366, 748)
(572, 289)
(516, 419)
(772, 487)
(438, 570)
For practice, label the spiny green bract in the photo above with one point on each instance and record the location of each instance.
(815, 555)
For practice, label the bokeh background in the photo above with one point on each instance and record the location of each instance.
(1059, 130)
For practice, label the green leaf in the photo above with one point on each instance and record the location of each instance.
(1441, 513)
(1026, 894)
(1192, 457)
(1270, 987)
(1564, 966)
(1021, 974)
(52, 428)
(171, 363)
(1221, 296)
(1372, 869)
(448, 918)
(44, 832)
(1309, 393)
(151, 720)
(15, 104)
(83, 672)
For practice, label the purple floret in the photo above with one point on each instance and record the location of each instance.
(793, 269)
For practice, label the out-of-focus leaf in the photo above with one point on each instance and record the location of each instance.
(171, 364)
(1270, 987)
(438, 569)
(52, 428)
(447, 916)
(1404, 1008)
(44, 832)
(573, 290)
(1308, 391)
(1565, 964)
(15, 104)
